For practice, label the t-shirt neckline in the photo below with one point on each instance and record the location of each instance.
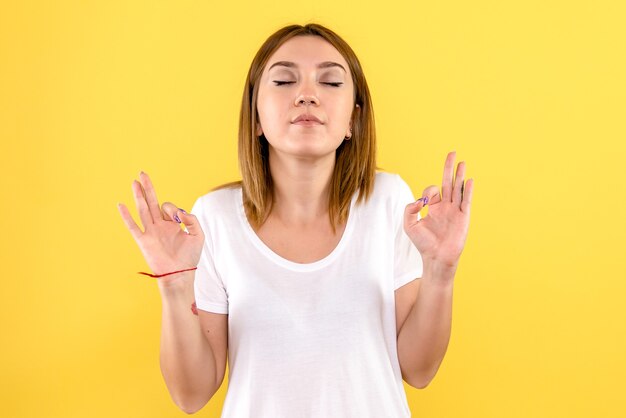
(288, 264)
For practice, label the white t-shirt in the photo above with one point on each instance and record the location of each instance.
(310, 340)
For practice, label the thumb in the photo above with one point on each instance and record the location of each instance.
(415, 207)
(412, 212)
(191, 222)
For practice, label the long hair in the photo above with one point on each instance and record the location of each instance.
(355, 159)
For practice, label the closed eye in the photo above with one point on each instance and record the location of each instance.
(280, 83)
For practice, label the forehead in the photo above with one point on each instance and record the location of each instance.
(307, 51)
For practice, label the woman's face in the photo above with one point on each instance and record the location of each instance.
(305, 76)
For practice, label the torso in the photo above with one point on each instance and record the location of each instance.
(300, 245)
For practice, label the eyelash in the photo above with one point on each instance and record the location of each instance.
(280, 83)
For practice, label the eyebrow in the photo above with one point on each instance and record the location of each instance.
(325, 64)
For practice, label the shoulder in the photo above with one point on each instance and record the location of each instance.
(386, 191)
(393, 191)
(222, 200)
(390, 185)
(386, 181)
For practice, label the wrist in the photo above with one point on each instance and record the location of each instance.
(177, 283)
(168, 273)
(438, 270)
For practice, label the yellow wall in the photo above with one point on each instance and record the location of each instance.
(531, 94)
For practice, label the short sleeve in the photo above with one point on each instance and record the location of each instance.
(408, 263)
(209, 290)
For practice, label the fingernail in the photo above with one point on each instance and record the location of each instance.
(425, 200)
(176, 218)
(182, 210)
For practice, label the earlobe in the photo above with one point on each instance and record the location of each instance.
(259, 130)
(349, 134)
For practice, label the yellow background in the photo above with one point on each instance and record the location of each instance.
(531, 94)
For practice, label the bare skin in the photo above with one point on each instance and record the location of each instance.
(308, 78)
(193, 349)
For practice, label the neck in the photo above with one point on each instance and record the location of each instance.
(301, 188)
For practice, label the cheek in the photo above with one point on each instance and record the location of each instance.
(266, 110)
(343, 110)
(272, 117)
(261, 109)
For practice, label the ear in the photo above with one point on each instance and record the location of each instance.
(356, 110)
(259, 130)
(349, 133)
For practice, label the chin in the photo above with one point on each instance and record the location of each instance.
(308, 152)
(305, 147)
(311, 154)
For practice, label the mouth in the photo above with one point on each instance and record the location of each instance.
(307, 120)
(307, 123)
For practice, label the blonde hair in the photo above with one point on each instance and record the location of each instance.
(355, 159)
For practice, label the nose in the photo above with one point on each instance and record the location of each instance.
(306, 100)
(307, 96)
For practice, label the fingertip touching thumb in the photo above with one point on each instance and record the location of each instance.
(188, 220)
(418, 205)
(183, 215)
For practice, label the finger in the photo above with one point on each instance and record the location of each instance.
(169, 211)
(467, 196)
(431, 195)
(446, 186)
(457, 193)
(414, 208)
(142, 205)
(151, 198)
(130, 222)
(410, 213)
(191, 223)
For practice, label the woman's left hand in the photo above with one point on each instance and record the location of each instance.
(440, 235)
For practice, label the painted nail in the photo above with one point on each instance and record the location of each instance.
(176, 218)
(425, 200)
(182, 210)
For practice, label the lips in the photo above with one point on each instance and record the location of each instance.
(305, 117)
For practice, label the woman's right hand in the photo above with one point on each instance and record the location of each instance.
(164, 245)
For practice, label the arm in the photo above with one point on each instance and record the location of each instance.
(188, 363)
(440, 238)
(192, 364)
(424, 336)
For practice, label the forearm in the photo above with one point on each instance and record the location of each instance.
(186, 358)
(423, 339)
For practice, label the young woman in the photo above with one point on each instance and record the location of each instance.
(303, 273)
